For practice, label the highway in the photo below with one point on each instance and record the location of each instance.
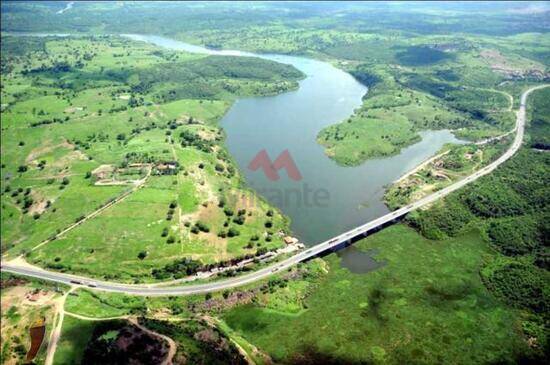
(333, 243)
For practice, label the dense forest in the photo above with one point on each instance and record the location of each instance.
(511, 209)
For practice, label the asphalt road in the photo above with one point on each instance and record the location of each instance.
(333, 243)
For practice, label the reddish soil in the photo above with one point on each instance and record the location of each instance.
(37, 336)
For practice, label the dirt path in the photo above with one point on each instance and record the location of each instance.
(172, 347)
(421, 166)
(86, 318)
(56, 331)
(215, 323)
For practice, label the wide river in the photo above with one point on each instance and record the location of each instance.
(347, 196)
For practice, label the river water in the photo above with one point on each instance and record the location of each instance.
(346, 196)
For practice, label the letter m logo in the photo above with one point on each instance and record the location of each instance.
(283, 161)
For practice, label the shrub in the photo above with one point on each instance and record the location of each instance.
(443, 220)
(239, 219)
(493, 198)
(521, 286)
(514, 236)
(233, 232)
(202, 226)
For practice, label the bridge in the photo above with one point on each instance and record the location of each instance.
(329, 245)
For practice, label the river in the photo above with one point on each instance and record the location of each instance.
(291, 121)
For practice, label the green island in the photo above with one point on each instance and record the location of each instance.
(115, 167)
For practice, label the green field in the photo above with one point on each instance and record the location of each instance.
(76, 107)
(427, 305)
(75, 336)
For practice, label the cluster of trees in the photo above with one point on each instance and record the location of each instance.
(190, 139)
(510, 207)
(200, 227)
(421, 56)
(540, 124)
(139, 347)
(56, 67)
(188, 266)
(215, 348)
(49, 121)
(25, 199)
(512, 203)
(178, 269)
(208, 77)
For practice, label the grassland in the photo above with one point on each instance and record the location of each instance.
(383, 318)
(75, 336)
(436, 73)
(75, 106)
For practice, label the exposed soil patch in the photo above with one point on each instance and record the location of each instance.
(74, 109)
(511, 69)
(36, 332)
(11, 282)
(40, 203)
(218, 304)
(23, 308)
(47, 147)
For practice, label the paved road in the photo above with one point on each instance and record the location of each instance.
(333, 243)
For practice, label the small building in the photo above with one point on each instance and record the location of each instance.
(290, 240)
(166, 168)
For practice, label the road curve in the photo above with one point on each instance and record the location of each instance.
(333, 243)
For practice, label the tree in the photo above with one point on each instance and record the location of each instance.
(142, 255)
(233, 232)
(239, 219)
(514, 236)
